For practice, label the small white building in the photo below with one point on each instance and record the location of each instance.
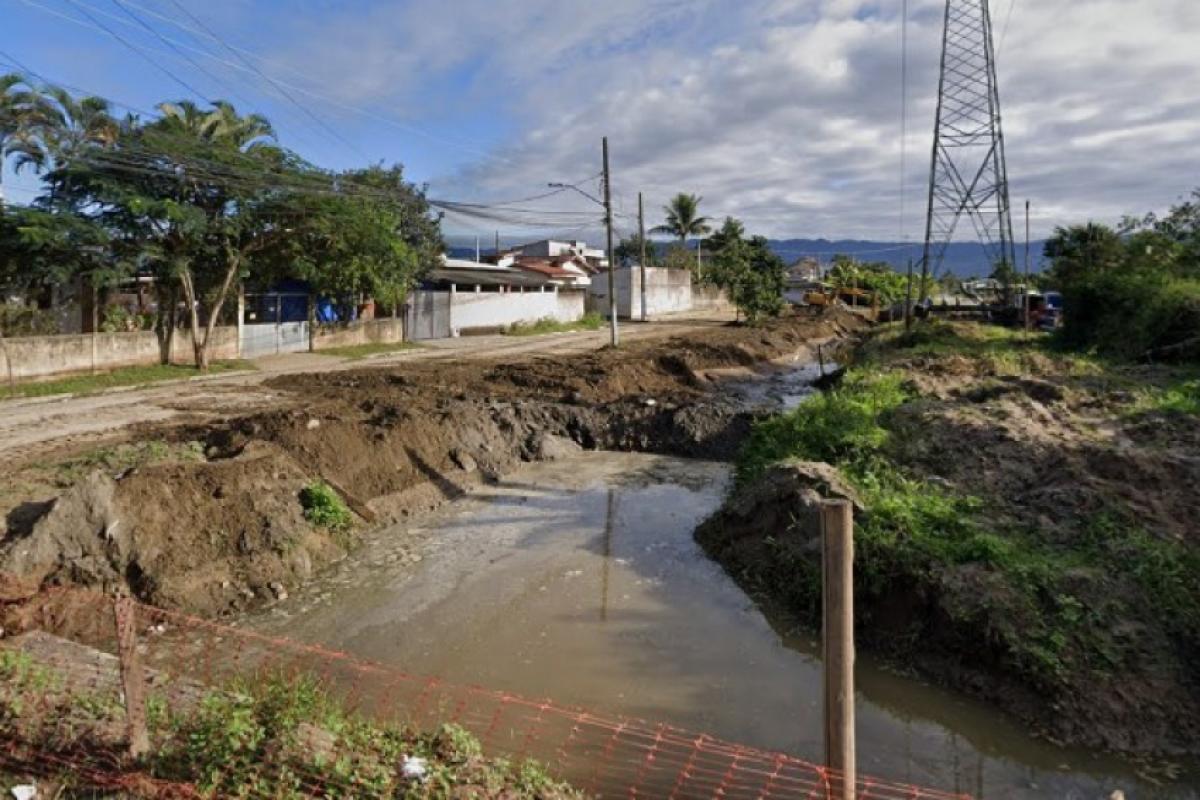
(554, 249)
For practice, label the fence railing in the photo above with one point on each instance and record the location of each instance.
(183, 658)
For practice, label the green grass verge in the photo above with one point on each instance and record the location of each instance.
(1051, 601)
(356, 352)
(273, 736)
(591, 321)
(125, 376)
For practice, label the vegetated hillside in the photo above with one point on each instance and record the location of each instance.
(964, 259)
(1027, 526)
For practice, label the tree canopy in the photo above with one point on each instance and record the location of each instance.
(199, 199)
(1135, 291)
(683, 218)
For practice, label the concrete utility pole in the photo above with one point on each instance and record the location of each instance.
(478, 253)
(837, 580)
(908, 298)
(612, 264)
(497, 245)
(1026, 303)
(642, 257)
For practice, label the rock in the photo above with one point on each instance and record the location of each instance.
(552, 448)
(16, 588)
(313, 424)
(464, 460)
(278, 590)
(650, 402)
(80, 537)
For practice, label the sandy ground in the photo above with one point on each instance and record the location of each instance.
(35, 428)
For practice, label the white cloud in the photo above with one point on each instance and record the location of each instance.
(784, 113)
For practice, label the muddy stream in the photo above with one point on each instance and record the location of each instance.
(579, 580)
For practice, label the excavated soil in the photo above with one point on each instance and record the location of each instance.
(1057, 457)
(223, 530)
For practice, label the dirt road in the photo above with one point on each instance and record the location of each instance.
(36, 428)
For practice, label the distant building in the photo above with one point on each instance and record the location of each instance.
(595, 258)
(804, 270)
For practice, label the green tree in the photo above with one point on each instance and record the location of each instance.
(68, 126)
(847, 272)
(629, 251)
(18, 130)
(1082, 250)
(754, 277)
(375, 238)
(683, 218)
(188, 198)
(730, 232)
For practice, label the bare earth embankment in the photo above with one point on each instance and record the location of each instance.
(208, 517)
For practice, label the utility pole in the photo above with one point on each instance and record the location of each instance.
(497, 245)
(908, 298)
(478, 255)
(1026, 303)
(612, 264)
(699, 260)
(642, 257)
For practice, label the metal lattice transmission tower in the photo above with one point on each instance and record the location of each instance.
(969, 176)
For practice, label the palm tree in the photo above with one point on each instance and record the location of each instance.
(17, 132)
(68, 124)
(683, 218)
(220, 125)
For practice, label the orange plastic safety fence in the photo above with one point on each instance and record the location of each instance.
(601, 754)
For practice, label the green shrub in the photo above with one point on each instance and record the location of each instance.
(829, 427)
(324, 507)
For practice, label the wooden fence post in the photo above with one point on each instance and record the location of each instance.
(837, 580)
(133, 681)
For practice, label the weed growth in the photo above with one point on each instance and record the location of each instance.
(324, 507)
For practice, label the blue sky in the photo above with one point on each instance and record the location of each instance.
(785, 113)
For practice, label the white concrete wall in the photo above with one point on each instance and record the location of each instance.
(36, 357)
(668, 291)
(489, 310)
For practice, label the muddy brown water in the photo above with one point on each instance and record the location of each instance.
(579, 580)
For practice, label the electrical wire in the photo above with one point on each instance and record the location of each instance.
(286, 94)
(138, 51)
(1004, 31)
(366, 113)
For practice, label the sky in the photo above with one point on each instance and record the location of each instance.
(784, 113)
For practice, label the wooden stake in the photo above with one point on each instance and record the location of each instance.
(132, 680)
(837, 579)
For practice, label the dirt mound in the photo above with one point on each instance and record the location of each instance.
(214, 534)
(201, 536)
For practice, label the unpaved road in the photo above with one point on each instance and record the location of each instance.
(35, 428)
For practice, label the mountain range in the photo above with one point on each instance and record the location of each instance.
(964, 259)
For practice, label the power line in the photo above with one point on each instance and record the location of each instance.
(903, 119)
(367, 113)
(287, 95)
(139, 51)
(1007, 20)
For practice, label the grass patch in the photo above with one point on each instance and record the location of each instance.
(356, 352)
(126, 376)
(324, 507)
(1179, 397)
(119, 458)
(591, 321)
(276, 735)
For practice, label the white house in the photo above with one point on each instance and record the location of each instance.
(553, 249)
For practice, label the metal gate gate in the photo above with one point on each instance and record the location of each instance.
(274, 323)
(428, 316)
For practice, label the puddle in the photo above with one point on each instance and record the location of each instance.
(580, 581)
